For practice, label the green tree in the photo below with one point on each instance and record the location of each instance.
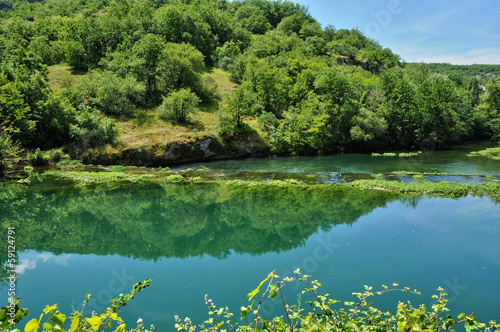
(179, 23)
(180, 67)
(270, 86)
(237, 106)
(401, 114)
(148, 49)
(178, 105)
(9, 153)
(111, 93)
(490, 107)
(14, 113)
(251, 18)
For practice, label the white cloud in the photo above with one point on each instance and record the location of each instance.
(435, 24)
(481, 51)
(31, 260)
(25, 264)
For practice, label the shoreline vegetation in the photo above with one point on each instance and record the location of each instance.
(401, 182)
(325, 314)
(157, 83)
(492, 153)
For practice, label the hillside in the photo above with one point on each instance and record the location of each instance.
(483, 73)
(163, 81)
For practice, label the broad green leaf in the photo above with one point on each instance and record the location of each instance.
(58, 318)
(256, 290)
(120, 328)
(94, 322)
(272, 292)
(47, 326)
(74, 324)
(49, 308)
(31, 326)
(245, 311)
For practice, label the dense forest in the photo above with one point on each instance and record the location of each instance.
(460, 72)
(301, 87)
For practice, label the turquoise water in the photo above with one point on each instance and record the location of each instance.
(446, 161)
(222, 240)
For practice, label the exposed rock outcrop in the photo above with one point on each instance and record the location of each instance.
(237, 145)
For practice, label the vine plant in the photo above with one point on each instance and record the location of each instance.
(357, 315)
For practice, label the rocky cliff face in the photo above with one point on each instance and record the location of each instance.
(238, 145)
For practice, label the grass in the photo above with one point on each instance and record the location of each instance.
(61, 76)
(148, 129)
(222, 81)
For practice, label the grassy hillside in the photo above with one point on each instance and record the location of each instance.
(249, 74)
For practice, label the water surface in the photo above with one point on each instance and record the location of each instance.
(451, 161)
(224, 239)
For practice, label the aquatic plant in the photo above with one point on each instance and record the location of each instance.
(67, 164)
(492, 153)
(99, 177)
(38, 158)
(444, 188)
(117, 168)
(400, 154)
(174, 178)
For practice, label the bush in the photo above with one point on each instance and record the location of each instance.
(177, 106)
(9, 153)
(68, 163)
(55, 320)
(38, 158)
(111, 93)
(324, 313)
(56, 155)
(359, 315)
(93, 129)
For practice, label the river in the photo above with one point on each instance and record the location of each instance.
(222, 240)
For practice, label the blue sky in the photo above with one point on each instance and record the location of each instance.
(457, 32)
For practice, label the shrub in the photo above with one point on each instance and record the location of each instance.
(359, 315)
(55, 320)
(177, 106)
(93, 129)
(56, 155)
(9, 153)
(38, 158)
(68, 163)
(111, 93)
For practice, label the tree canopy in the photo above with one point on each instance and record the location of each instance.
(313, 89)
